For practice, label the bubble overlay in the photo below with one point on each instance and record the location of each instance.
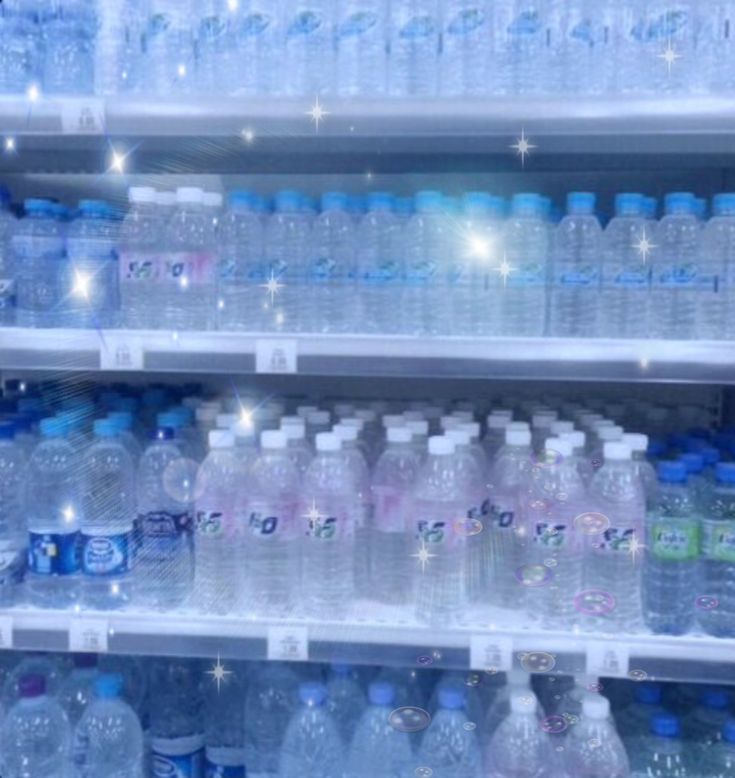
(409, 719)
(638, 675)
(595, 602)
(592, 523)
(467, 527)
(706, 602)
(538, 662)
(534, 575)
(554, 725)
(180, 480)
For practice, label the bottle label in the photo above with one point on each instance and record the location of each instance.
(581, 31)
(551, 535)
(526, 24)
(138, 267)
(210, 523)
(253, 25)
(12, 563)
(420, 273)
(627, 276)
(677, 543)
(106, 555)
(172, 761)
(305, 22)
(160, 534)
(385, 272)
(586, 276)
(324, 270)
(357, 24)
(225, 763)
(530, 274)
(188, 267)
(466, 22)
(502, 515)
(328, 525)
(718, 541)
(670, 24)
(53, 553)
(433, 531)
(271, 520)
(390, 510)
(676, 276)
(418, 28)
(616, 540)
(7, 293)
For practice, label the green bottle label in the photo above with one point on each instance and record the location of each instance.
(677, 542)
(718, 541)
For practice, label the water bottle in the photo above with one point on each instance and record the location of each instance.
(575, 270)
(525, 243)
(77, 690)
(624, 293)
(672, 554)
(308, 48)
(328, 550)
(719, 760)
(255, 29)
(394, 477)
(661, 752)
(107, 542)
(676, 276)
(69, 35)
(109, 740)
(269, 704)
(311, 747)
(717, 564)
(188, 276)
(123, 420)
(632, 721)
(272, 539)
(519, 745)
(225, 727)
(13, 516)
(38, 248)
(211, 27)
(53, 505)
(48, 666)
(345, 700)
(425, 240)
(589, 34)
(377, 747)
(21, 56)
(612, 556)
(297, 447)
(218, 539)
(164, 566)
(593, 748)
(241, 269)
(7, 260)
(35, 738)
(704, 722)
(447, 745)
(646, 472)
(119, 47)
(465, 51)
(287, 241)
(362, 54)
(380, 270)
(714, 319)
(331, 268)
(413, 41)
(169, 47)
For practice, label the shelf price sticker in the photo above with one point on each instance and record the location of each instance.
(119, 351)
(6, 632)
(83, 116)
(491, 653)
(276, 355)
(609, 659)
(288, 644)
(88, 635)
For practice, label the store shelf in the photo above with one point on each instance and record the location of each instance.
(706, 362)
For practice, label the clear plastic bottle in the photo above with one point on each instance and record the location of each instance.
(255, 30)
(464, 52)
(21, 56)
(719, 760)
(169, 47)
(593, 748)
(210, 28)
(662, 753)
(76, 691)
(414, 42)
(8, 268)
(704, 722)
(345, 699)
(48, 666)
(633, 720)
(13, 531)
(308, 52)
(225, 726)
(646, 472)
(589, 34)
(672, 554)
(575, 270)
(715, 319)
(119, 47)
(676, 274)
(298, 449)
(271, 546)
(69, 35)
(362, 54)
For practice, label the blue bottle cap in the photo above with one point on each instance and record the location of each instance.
(693, 461)
(665, 725)
(725, 472)
(7, 430)
(288, 200)
(108, 686)
(476, 203)
(381, 693)
(428, 201)
(728, 731)
(123, 419)
(629, 204)
(680, 202)
(380, 201)
(169, 419)
(105, 428)
(162, 433)
(672, 472)
(240, 199)
(526, 203)
(581, 202)
(717, 699)
(648, 693)
(334, 201)
(451, 697)
(724, 204)
(711, 455)
(312, 693)
(53, 427)
(36, 205)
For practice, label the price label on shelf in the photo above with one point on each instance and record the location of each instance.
(88, 635)
(6, 632)
(610, 659)
(276, 355)
(491, 653)
(119, 351)
(83, 116)
(288, 644)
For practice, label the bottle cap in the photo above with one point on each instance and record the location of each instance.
(440, 446)
(636, 440)
(725, 472)
(665, 725)
(559, 427)
(212, 199)
(561, 446)
(399, 435)
(226, 421)
(293, 432)
(459, 437)
(53, 427)
(693, 462)
(595, 706)
(189, 194)
(273, 439)
(221, 439)
(497, 422)
(108, 686)
(106, 428)
(318, 417)
(327, 441)
(472, 427)
(312, 693)
(352, 421)
(381, 693)
(142, 194)
(345, 433)
(577, 438)
(417, 427)
(516, 437)
(616, 451)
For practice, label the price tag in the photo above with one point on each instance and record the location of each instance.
(121, 352)
(6, 632)
(288, 644)
(83, 116)
(275, 356)
(491, 653)
(88, 635)
(611, 659)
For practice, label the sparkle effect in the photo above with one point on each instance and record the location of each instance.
(33, 93)
(9, 144)
(313, 515)
(317, 112)
(219, 673)
(117, 162)
(248, 135)
(635, 548)
(423, 556)
(272, 286)
(523, 147)
(669, 56)
(82, 282)
(505, 269)
(644, 246)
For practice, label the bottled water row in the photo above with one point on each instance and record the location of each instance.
(429, 265)
(159, 718)
(366, 47)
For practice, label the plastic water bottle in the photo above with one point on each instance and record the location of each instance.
(270, 702)
(211, 21)
(519, 745)
(69, 48)
(519, 47)
(633, 721)
(297, 447)
(394, 477)
(380, 269)
(38, 249)
(345, 700)
(328, 552)
(704, 723)
(593, 748)
(377, 747)
(52, 501)
(312, 746)
(719, 760)
(287, 241)
(525, 243)
(331, 268)
(241, 270)
(12, 515)
(465, 50)
(447, 745)
(362, 54)
(35, 738)
(662, 752)
(414, 39)
(7, 260)
(169, 47)
(676, 276)
(717, 565)
(256, 32)
(628, 244)
(225, 727)
(107, 543)
(589, 34)
(119, 47)
(188, 276)
(714, 317)
(109, 740)
(21, 56)
(77, 690)
(164, 566)
(218, 540)
(646, 472)
(308, 53)
(672, 554)
(612, 567)
(575, 270)
(426, 267)
(272, 539)
(47, 666)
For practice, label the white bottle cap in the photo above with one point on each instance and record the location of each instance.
(610, 433)
(562, 447)
(142, 194)
(440, 446)
(599, 424)
(166, 198)
(595, 706)
(576, 438)
(272, 439)
(418, 426)
(517, 437)
(393, 420)
(189, 194)
(399, 435)
(286, 420)
(366, 415)
(459, 437)
(212, 199)
(353, 421)
(472, 427)
(449, 422)
(226, 420)
(636, 440)
(293, 431)
(558, 427)
(412, 415)
(543, 419)
(344, 409)
(463, 415)
(242, 430)
(344, 432)
(507, 412)
(221, 439)
(206, 414)
(517, 425)
(318, 417)
(327, 441)
(616, 451)
(498, 422)
(522, 701)
(305, 410)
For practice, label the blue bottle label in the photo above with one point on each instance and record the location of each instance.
(254, 24)
(178, 757)
(224, 763)
(531, 274)
(551, 535)
(357, 24)
(526, 24)
(323, 270)
(670, 24)
(106, 555)
(586, 276)
(385, 272)
(160, 534)
(467, 21)
(304, 23)
(676, 276)
(420, 273)
(502, 516)
(53, 553)
(628, 277)
(418, 27)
